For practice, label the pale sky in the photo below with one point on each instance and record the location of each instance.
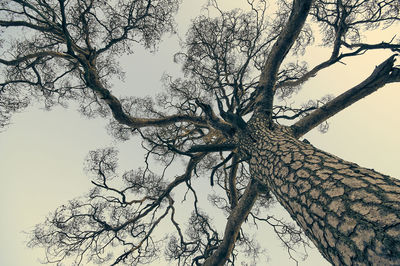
(42, 153)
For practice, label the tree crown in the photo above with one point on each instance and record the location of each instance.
(237, 65)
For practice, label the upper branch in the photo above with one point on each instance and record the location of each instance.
(383, 74)
(395, 47)
(279, 51)
(361, 49)
(5, 23)
(135, 122)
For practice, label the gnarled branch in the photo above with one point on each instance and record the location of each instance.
(383, 74)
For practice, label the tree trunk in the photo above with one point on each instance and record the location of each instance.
(351, 213)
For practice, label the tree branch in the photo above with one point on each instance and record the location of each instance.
(178, 180)
(5, 23)
(212, 147)
(278, 53)
(215, 168)
(18, 60)
(233, 193)
(362, 48)
(383, 74)
(213, 119)
(93, 82)
(235, 220)
(367, 46)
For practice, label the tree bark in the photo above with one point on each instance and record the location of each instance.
(351, 213)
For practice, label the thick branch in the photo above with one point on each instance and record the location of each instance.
(212, 147)
(121, 116)
(233, 193)
(279, 51)
(5, 23)
(383, 74)
(19, 60)
(232, 229)
(213, 119)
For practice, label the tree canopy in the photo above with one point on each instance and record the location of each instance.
(238, 66)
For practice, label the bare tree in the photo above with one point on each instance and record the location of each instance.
(224, 119)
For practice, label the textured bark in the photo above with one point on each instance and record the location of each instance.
(351, 213)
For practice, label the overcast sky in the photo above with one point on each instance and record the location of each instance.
(42, 153)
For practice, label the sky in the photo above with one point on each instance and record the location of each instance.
(42, 153)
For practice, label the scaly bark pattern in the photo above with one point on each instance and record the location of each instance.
(352, 214)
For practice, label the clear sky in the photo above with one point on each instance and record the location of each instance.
(42, 153)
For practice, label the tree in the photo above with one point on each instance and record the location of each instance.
(226, 119)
